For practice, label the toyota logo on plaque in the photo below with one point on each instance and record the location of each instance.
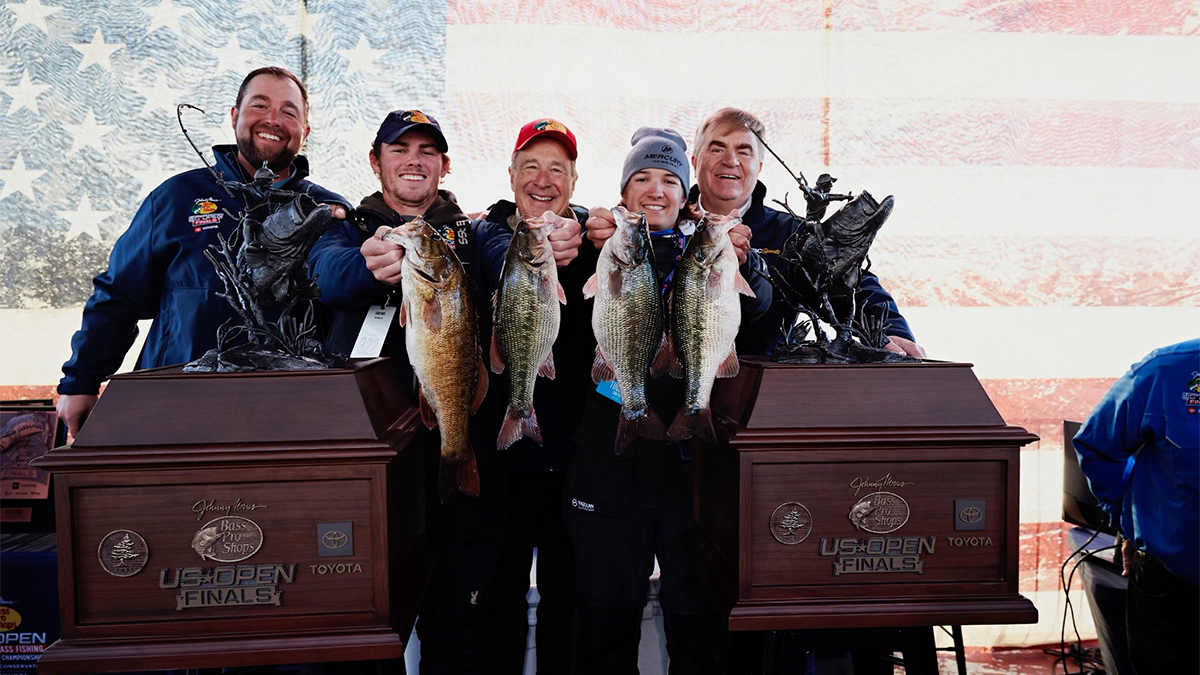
(970, 514)
(335, 540)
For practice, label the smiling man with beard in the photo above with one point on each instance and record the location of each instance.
(157, 269)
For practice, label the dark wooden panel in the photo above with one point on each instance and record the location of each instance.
(289, 526)
(869, 463)
(927, 492)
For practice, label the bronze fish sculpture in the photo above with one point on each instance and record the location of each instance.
(442, 339)
(628, 321)
(273, 252)
(525, 323)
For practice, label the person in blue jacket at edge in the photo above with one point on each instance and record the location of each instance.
(461, 625)
(1140, 451)
(157, 269)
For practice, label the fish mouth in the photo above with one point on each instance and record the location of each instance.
(427, 277)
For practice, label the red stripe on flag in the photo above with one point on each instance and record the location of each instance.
(999, 271)
(1071, 17)
(1015, 132)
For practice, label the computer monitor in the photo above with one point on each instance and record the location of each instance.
(1079, 504)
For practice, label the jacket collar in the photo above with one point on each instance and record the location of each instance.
(503, 211)
(443, 211)
(225, 157)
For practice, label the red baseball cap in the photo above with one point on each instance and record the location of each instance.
(547, 127)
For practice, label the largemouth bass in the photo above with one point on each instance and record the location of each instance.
(705, 314)
(525, 323)
(442, 339)
(628, 321)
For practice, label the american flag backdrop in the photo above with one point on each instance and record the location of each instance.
(1044, 155)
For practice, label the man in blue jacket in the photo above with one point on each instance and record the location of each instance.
(1140, 450)
(157, 269)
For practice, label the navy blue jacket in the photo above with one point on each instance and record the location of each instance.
(770, 229)
(157, 270)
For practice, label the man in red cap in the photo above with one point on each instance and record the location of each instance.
(520, 506)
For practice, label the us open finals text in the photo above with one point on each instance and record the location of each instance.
(228, 584)
(876, 554)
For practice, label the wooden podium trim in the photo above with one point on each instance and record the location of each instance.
(216, 650)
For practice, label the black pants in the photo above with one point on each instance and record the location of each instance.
(1162, 619)
(621, 515)
(534, 519)
(609, 638)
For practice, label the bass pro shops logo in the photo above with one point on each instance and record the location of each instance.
(1191, 395)
(206, 214)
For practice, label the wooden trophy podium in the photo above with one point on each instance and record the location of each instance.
(859, 496)
(209, 520)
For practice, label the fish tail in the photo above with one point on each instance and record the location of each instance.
(463, 475)
(689, 423)
(518, 423)
(634, 423)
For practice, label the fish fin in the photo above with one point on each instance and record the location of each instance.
(742, 286)
(729, 367)
(634, 423)
(663, 357)
(562, 295)
(402, 315)
(496, 359)
(589, 289)
(517, 424)
(468, 476)
(547, 369)
(431, 313)
(601, 371)
(696, 423)
(255, 255)
(481, 386)
(614, 284)
(279, 289)
(428, 416)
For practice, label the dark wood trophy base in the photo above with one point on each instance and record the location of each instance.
(859, 496)
(210, 520)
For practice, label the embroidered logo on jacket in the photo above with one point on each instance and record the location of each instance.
(206, 214)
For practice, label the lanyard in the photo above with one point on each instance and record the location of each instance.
(680, 242)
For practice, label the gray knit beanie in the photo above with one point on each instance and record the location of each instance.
(655, 148)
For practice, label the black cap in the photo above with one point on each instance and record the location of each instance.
(400, 122)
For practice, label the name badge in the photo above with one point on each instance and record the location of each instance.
(608, 389)
(373, 332)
